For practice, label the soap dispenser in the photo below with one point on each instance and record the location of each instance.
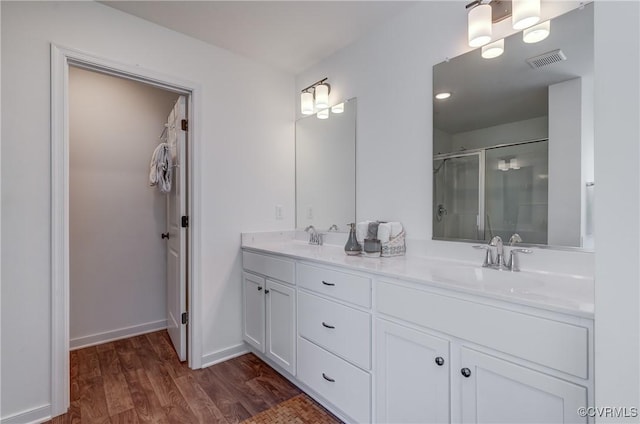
(352, 248)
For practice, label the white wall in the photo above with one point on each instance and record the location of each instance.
(117, 258)
(247, 156)
(512, 132)
(617, 214)
(565, 163)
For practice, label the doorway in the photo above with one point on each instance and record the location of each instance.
(62, 62)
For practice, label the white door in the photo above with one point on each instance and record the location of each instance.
(177, 244)
(412, 371)
(253, 310)
(497, 391)
(281, 318)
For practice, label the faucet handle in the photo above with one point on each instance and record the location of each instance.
(515, 238)
(512, 264)
(488, 257)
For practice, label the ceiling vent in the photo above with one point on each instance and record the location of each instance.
(546, 59)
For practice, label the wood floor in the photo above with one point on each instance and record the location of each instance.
(140, 380)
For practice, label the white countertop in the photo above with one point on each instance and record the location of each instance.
(569, 294)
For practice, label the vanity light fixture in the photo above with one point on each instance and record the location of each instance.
(479, 23)
(317, 92)
(443, 95)
(494, 49)
(525, 13)
(513, 164)
(339, 108)
(502, 165)
(323, 114)
(537, 32)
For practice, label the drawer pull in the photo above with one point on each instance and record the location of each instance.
(259, 288)
(328, 284)
(328, 378)
(325, 325)
(466, 372)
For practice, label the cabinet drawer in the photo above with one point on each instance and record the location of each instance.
(343, 286)
(554, 344)
(342, 330)
(279, 269)
(342, 384)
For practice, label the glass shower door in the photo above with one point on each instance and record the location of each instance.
(458, 196)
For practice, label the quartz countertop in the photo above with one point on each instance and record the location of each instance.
(569, 294)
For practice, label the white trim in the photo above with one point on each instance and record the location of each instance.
(118, 334)
(31, 416)
(224, 355)
(61, 58)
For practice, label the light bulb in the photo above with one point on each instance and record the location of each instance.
(513, 164)
(479, 25)
(443, 95)
(323, 114)
(306, 103)
(525, 13)
(502, 165)
(537, 32)
(322, 96)
(494, 49)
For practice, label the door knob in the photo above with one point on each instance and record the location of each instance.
(165, 236)
(440, 361)
(466, 372)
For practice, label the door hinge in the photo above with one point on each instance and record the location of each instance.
(185, 318)
(185, 125)
(185, 222)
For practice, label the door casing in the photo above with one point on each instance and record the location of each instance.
(61, 59)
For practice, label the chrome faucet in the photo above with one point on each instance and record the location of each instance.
(497, 243)
(314, 236)
(334, 227)
(512, 265)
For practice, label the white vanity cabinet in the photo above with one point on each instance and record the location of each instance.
(412, 375)
(334, 344)
(269, 318)
(505, 366)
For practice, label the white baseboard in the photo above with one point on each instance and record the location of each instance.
(120, 333)
(32, 416)
(223, 355)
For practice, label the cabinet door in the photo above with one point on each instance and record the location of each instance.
(498, 391)
(281, 331)
(412, 375)
(253, 310)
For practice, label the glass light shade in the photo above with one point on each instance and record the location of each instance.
(306, 103)
(322, 96)
(339, 108)
(525, 13)
(494, 49)
(479, 25)
(442, 96)
(537, 32)
(502, 165)
(323, 114)
(513, 164)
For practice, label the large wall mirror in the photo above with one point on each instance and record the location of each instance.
(326, 169)
(513, 144)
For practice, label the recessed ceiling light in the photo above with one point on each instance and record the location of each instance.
(442, 96)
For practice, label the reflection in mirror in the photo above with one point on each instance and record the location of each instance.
(325, 169)
(513, 143)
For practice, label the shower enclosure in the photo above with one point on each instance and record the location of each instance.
(493, 191)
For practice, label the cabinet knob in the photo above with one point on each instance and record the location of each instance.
(325, 325)
(165, 236)
(259, 288)
(466, 372)
(266, 291)
(440, 361)
(328, 378)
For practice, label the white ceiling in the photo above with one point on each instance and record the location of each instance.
(288, 35)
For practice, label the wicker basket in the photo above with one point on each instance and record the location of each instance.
(395, 246)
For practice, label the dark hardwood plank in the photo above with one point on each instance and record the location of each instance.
(93, 404)
(202, 406)
(233, 411)
(116, 389)
(125, 417)
(144, 398)
(88, 363)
